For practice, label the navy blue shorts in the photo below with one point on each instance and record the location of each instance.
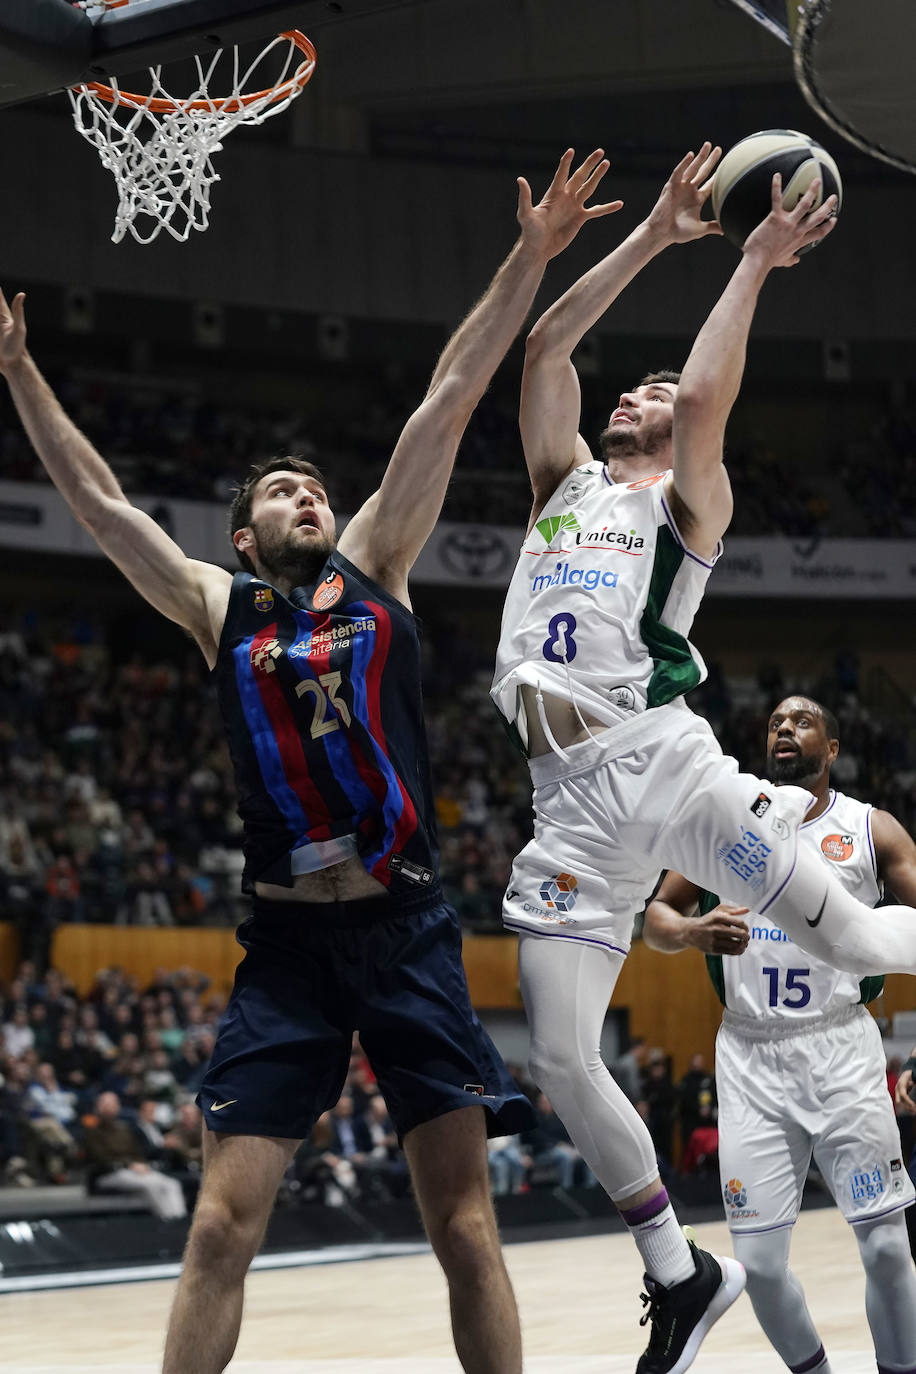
(315, 973)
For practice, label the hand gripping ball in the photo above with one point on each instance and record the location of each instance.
(741, 194)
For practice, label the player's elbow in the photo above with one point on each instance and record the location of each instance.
(545, 339)
(651, 933)
(449, 405)
(701, 404)
(94, 509)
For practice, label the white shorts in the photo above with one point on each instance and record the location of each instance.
(653, 793)
(821, 1090)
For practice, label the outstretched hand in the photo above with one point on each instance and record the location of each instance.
(677, 212)
(784, 233)
(552, 224)
(12, 330)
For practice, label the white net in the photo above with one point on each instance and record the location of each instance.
(159, 147)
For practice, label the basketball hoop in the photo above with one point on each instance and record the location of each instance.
(159, 148)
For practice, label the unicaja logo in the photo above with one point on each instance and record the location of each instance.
(623, 541)
(551, 525)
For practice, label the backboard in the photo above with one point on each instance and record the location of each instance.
(854, 65)
(48, 45)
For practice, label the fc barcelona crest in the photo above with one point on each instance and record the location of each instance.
(263, 599)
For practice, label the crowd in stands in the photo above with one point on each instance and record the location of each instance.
(117, 800)
(171, 438)
(100, 1089)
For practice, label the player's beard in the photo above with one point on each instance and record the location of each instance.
(797, 768)
(627, 441)
(285, 558)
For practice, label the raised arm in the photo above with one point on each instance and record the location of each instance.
(712, 374)
(551, 403)
(895, 857)
(191, 593)
(386, 536)
(671, 925)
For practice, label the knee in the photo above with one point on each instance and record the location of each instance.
(553, 1067)
(465, 1238)
(222, 1239)
(766, 1272)
(884, 1248)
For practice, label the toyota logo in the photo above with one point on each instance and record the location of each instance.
(474, 553)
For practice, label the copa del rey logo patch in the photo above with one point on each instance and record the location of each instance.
(328, 592)
(837, 847)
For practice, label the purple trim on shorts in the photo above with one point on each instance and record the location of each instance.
(683, 547)
(646, 1211)
(825, 812)
(782, 885)
(817, 1358)
(873, 1216)
(760, 1230)
(578, 939)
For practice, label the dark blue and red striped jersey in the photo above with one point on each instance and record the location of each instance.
(321, 699)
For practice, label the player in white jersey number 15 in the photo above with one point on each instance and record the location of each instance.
(591, 671)
(800, 1068)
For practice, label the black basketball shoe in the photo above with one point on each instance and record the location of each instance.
(682, 1314)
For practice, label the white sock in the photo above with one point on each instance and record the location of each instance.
(661, 1242)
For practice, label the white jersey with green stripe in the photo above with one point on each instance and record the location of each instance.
(600, 604)
(774, 979)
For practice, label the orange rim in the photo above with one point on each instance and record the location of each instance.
(228, 104)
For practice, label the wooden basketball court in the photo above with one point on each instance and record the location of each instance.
(578, 1300)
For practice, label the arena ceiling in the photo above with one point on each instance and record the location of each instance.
(508, 82)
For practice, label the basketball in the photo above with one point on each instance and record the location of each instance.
(741, 194)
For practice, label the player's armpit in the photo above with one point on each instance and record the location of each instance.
(701, 505)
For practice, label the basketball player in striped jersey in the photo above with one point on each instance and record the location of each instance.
(800, 1068)
(316, 659)
(591, 672)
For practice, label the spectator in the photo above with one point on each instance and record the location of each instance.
(659, 1095)
(117, 1162)
(696, 1098)
(386, 1173)
(701, 1153)
(18, 1035)
(551, 1152)
(149, 1130)
(628, 1070)
(508, 1165)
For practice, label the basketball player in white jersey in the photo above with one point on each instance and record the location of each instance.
(800, 1068)
(591, 670)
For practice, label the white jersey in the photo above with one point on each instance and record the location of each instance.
(601, 602)
(774, 979)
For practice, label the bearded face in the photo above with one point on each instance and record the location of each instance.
(798, 747)
(643, 439)
(283, 555)
(793, 768)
